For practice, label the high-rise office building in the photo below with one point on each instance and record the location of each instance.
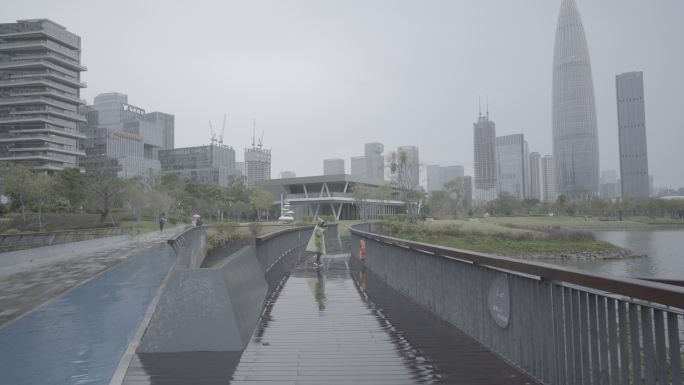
(375, 160)
(438, 176)
(535, 191)
(467, 192)
(334, 166)
(359, 166)
(205, 164)
(632, 135)
(287, 174)
(609, 184)
(372, 164)
(548, 179)
(257, 165)
(575, 137)
(513, 163)
(484, 180)
(434, 182)
(118, 130)
(40, 82)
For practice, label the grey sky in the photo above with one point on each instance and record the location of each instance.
(342, 73)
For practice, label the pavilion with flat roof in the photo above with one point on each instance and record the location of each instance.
(341, 196)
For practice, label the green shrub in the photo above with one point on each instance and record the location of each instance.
(255, 228)
(221, 238)
(12, 231)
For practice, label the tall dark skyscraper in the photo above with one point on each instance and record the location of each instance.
(632, 135)
(575, 136)
(485, 179)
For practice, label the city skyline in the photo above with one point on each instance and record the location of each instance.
(370, 115)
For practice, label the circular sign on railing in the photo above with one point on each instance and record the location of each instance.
(499, 300)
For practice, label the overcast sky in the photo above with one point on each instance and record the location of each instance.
(323, 77)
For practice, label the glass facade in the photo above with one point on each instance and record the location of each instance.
(575, 137)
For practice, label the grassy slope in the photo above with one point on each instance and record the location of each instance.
(487, 238)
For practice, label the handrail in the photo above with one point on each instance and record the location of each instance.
(265, 237)
(660, 293)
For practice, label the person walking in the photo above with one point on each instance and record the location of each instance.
(317, 242)
(162, 221)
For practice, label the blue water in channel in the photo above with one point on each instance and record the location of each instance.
(80, 337)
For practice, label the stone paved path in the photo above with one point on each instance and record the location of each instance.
(23, 291)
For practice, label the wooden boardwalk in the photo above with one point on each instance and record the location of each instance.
(335, 326)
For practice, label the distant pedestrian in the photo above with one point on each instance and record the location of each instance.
(162, 221)
(317, 242)
(199, 221)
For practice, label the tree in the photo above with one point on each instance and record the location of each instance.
(70, 184)
(361, 193)
(17, 184)
(261, 200)
(440, 204)
(456, 191)
(41, 191)
(103, 187)
(404, 175)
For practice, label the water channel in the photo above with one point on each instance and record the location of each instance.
(664, 250)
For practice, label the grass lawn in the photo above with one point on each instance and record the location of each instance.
(578, 223)
(142, 227)
(493, 236)
(496, 245)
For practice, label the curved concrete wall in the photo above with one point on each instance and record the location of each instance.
(208, 309)
(217, 308)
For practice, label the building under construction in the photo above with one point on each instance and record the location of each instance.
(257, 165)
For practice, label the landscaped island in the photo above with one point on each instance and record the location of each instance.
(538, 238)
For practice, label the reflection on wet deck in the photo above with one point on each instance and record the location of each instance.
(336, 326)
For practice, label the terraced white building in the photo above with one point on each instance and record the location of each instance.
(40, 82)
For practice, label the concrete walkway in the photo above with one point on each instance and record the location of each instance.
(20, 292)
(333, 325)
(79, 337)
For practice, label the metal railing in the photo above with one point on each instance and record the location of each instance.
(560, 325)
(13, 242)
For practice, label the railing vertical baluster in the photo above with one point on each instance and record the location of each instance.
(624, 337)
(577, 315)
(636, 346)
(569, 336)
(549, 340)
(586, 316)
(647, 336)
(661, 349)
(559, 320)
(675, 349)
(536, 318)
(613, 341)
(603, 340)
(595, 364)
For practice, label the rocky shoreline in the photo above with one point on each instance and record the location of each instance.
(583, 255)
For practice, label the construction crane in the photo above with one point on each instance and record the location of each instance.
(213, 134)
(223, 129)
(253, 131)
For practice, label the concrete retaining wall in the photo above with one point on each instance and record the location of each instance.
(20, 260)
(208, 309)
(217, 308)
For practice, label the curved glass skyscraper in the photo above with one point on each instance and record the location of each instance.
(575, 139)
